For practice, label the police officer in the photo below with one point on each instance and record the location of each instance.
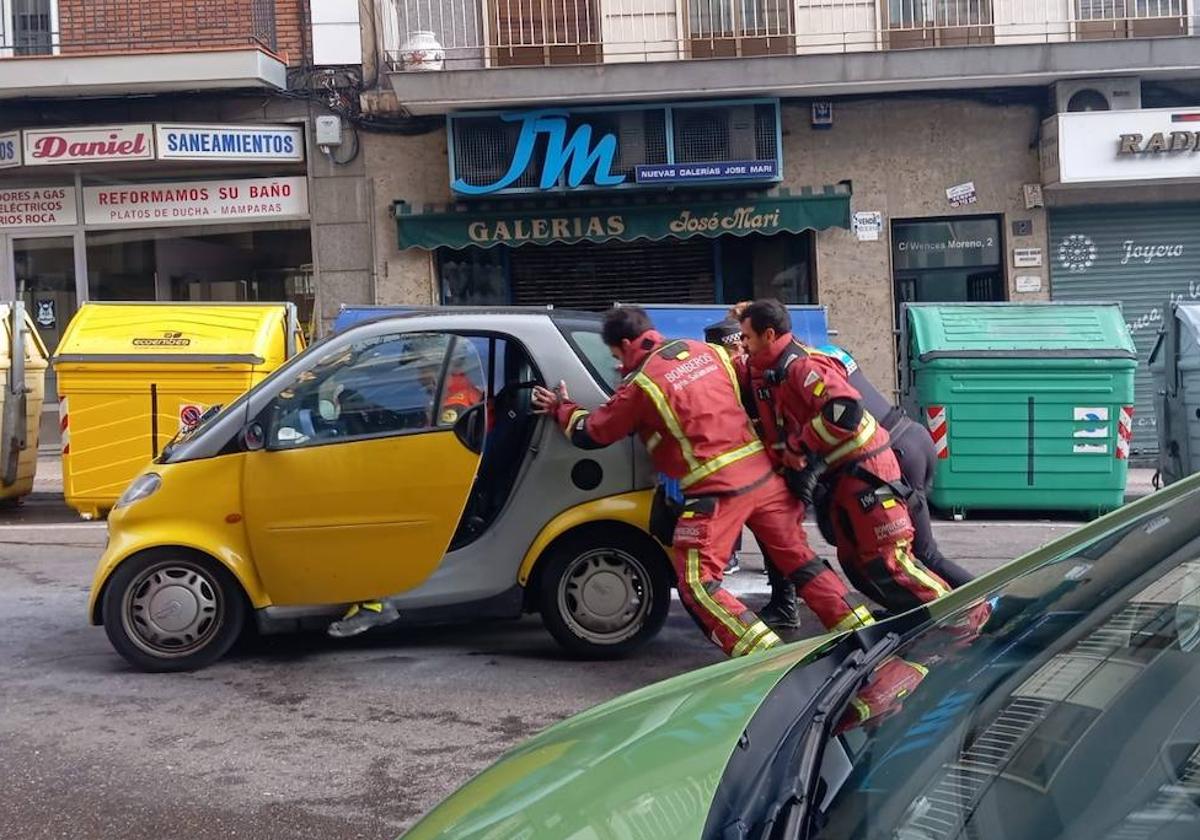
(681, 398)
(818, 428)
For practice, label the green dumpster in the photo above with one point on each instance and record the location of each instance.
(1030, 405)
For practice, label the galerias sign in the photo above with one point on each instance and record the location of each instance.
(46, 147)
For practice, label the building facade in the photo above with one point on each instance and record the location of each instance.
(919, 129)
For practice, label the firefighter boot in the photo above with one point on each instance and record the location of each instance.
(781, 612)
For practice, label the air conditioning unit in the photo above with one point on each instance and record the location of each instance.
(742, 142)
(631, 137)
(1109, 94)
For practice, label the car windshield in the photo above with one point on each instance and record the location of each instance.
(1063, 706)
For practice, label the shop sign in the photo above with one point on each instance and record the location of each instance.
(947, 244)
(1027, 257)
(961, 195)
(229, 142)
(868, 225)
(190, 202)
(37, 207)
(577, 156)
(47, 147)
(691, 172)
(1122, 146)
(627, 223)
(10, 149)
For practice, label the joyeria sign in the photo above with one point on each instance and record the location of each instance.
(45, 147)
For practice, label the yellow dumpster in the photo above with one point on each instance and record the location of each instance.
(21, 407)
(131, 376)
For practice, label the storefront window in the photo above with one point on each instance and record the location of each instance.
(474, 276)
(271, 262)
(778, 266)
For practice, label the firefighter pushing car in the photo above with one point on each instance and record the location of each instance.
(682, 399)
(817, 428)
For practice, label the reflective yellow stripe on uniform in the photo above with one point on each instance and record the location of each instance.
(915, 570)
(713, 464)
(860, 616)
(705, 600)
(751, 640)
(577, 417)
(668, 416)
(864, 711)
(866, 430)
(728, 363)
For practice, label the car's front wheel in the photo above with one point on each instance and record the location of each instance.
(172, 610)
(604, 592)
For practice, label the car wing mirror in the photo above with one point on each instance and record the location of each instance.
(470, 427)
(253, 437)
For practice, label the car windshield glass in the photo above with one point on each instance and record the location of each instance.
(1065, 705)
(584, 337)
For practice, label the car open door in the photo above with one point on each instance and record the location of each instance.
(368, 457)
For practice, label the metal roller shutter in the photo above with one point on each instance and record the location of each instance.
(1139, 255)
(593, 276)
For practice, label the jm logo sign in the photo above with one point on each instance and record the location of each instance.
(575, 155)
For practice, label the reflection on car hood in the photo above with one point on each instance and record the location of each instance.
(644, 765)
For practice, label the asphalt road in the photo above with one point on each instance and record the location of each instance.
(296, 736)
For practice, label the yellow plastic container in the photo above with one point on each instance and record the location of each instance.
(133, 375)
(24, 382)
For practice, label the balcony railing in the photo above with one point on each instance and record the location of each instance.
(82, 27)
(499, 33)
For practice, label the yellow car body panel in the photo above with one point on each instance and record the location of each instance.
(629, 508)
(354, 521)
(191, 509)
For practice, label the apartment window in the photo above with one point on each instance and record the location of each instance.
(26, 27)
(538, 32)
(1105, 19)
(914, 24)
(729, 28)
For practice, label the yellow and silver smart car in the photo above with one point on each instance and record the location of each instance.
(398, 458)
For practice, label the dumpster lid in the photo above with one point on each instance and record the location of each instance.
(1016, 330)
(1189, 316)
(208, 333)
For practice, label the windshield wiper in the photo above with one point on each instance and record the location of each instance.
(793, 807)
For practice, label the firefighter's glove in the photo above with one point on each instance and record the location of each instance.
(803, 482)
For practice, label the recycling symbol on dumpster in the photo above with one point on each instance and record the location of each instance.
(1077, 253)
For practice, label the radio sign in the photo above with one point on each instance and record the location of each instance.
(229, 142)
(48, 147)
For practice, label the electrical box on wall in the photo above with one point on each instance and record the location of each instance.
(329, 131)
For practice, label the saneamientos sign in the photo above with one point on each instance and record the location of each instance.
(229, 142)
(191, 202)
(1099, 147)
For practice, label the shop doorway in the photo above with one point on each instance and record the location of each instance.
(954, 260)
(42, 269)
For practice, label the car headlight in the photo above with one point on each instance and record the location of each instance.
(141, 487)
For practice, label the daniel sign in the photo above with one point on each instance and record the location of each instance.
(191, 202)
(49, 146)
(1101, 147)
(229, 142)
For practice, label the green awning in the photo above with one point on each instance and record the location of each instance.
(519, 223)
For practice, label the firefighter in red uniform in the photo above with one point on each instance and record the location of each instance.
(682, 400)
(814, 421)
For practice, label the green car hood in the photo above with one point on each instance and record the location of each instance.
(644, 765)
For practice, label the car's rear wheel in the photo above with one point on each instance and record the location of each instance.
(604, 592)
(172, 610)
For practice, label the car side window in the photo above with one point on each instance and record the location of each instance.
(397, 383)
